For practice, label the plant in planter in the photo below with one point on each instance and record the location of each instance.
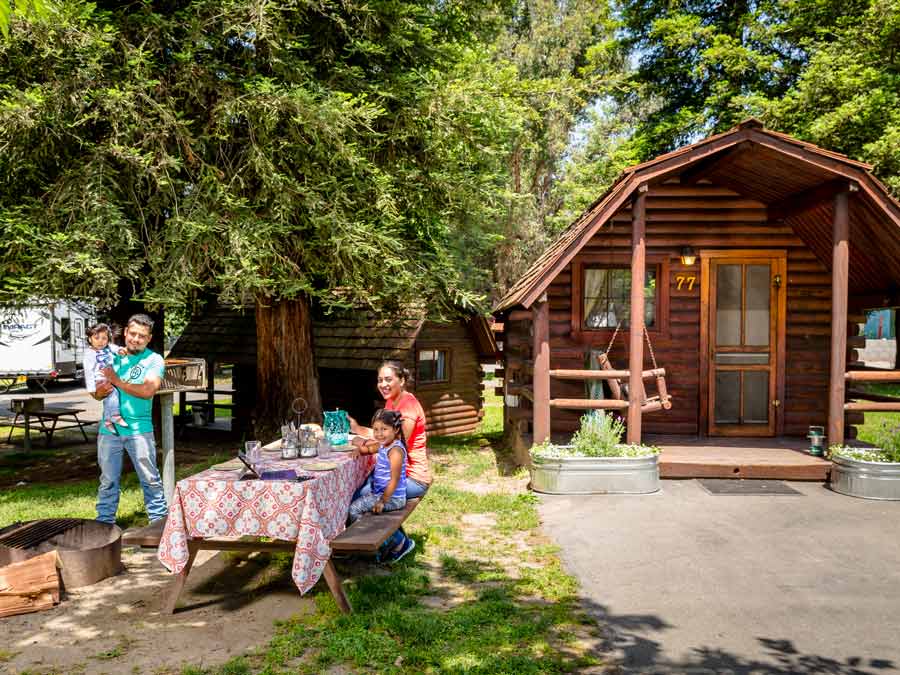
(596, 462)
(872, 473)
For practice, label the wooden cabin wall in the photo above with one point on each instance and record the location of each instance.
(704, 217)
(452, 407)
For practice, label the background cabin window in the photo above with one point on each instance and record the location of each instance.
(607, 297)
(432, 366)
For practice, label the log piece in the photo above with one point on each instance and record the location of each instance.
(30, 586)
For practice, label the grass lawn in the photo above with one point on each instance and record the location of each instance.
(873, 420)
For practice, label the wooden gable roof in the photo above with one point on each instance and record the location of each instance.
(228, 335)
(792, 177)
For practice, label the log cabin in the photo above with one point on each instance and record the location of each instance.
(734, 272)
(444, 357)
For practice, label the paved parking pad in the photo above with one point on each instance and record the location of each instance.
(685, 581)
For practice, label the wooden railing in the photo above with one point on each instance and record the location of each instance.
(877, 402)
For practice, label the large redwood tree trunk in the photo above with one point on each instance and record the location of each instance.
(285, 365)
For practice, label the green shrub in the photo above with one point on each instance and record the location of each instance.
(599, 435)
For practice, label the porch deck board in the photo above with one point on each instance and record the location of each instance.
(764, 458)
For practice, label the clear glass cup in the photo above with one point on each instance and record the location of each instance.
(254, 451)
(324, 448)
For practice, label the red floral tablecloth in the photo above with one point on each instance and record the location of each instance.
(214, 503)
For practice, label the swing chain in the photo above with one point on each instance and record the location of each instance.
(650, 347)
(613, 338)
(646, 337)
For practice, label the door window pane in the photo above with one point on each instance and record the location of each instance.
(756, 319)
(728, 397)
(756, 397)
(728, 305)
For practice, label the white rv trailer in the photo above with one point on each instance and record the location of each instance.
(42, 342)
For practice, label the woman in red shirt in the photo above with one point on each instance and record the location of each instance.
(392, 381)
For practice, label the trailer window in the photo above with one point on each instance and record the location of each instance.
(79, 330)
(65, 330)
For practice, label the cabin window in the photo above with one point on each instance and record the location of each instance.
(431, 366)
(607, 297)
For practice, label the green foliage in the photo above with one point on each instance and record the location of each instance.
(848, 96)
(341, 151)
(823, 71)
(598, 435)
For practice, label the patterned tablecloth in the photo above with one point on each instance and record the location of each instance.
(214, 503)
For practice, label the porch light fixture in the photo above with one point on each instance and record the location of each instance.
(688, 256)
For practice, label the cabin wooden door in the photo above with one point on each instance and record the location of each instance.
(745, 300)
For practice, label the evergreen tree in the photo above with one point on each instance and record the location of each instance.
(282, 154)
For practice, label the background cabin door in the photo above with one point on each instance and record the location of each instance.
(745, 344)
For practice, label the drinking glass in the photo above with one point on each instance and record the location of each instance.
(324, 448)
(254, 450)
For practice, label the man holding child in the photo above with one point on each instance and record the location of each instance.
(138, 375)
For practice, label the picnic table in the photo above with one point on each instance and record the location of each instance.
(40, 420)
(211, 510)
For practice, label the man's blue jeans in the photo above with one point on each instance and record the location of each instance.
(141, 448)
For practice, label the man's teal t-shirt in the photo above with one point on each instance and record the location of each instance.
(138, 412)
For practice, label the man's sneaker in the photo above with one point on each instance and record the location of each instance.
(396, 554)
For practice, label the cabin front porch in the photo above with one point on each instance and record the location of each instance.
(755, 458)
(682, 456)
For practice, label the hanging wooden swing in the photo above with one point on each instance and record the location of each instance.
(662, 400)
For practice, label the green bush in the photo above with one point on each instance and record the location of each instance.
(599, 435)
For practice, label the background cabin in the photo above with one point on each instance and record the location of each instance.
(444, 357)
(759, 254)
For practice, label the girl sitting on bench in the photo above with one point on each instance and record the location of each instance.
(385, 488)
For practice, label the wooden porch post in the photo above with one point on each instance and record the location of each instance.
(541, 377)
(636, 318)
(839, 295)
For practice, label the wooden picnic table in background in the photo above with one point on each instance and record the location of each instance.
(39, 420)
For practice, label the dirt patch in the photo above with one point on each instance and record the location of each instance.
(228, 608)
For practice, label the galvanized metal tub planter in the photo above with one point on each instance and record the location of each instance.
(866, 479)
(595, 475)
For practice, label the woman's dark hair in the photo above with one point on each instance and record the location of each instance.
(98, 328)
(391, 418)
(399, 369)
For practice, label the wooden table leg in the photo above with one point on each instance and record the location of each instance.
(333, 579)
(180, 579)
(52, 429)
(27, 444)
(81, 426)
(12, 428)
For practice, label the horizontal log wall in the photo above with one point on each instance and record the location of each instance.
(455, 406)
(703, 217)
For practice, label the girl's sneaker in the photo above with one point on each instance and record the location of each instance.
(396, 554)
(121, 422)
(109, 425)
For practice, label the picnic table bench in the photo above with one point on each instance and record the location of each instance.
(39, 420)
(366, 535)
